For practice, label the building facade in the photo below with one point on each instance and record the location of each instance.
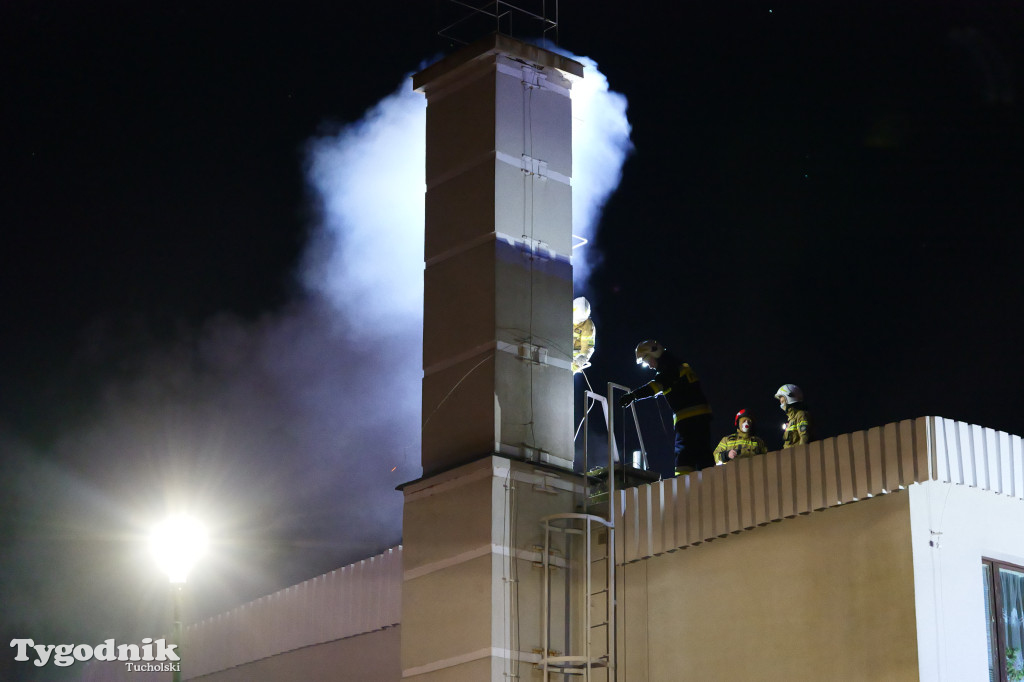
(895, 553)
(868, 556)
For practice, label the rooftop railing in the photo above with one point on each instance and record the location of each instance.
(687, 510)
(362, 597)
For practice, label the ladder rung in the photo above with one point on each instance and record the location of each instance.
(569, 664)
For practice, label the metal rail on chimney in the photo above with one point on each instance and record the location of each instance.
(464, 21)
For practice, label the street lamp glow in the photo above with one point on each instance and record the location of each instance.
(177, 544)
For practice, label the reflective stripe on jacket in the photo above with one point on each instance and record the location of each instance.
(681, 387)
(745, 445)
(798, 428)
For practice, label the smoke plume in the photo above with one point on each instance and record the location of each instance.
(287, 435)
(600, 145)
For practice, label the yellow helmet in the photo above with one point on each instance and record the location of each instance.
(647, 351)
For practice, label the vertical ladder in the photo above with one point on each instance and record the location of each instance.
(588, 584)
(589, 646)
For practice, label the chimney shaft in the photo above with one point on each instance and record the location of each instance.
(497, 341)
(497, 330)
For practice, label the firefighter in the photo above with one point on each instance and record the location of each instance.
(584, 335)
(741, 444)
(798, 421)
(691, 414)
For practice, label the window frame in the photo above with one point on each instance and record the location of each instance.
(995, 626)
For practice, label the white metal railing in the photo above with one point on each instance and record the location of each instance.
(358, 598)
(686, 510)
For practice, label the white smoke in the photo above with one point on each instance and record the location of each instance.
(366, 257)
(600, 145)
(369, 177)
(290, 433)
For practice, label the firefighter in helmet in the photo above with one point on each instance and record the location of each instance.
(691, 414)
(798, 421)
(741, 444)
(584, 334)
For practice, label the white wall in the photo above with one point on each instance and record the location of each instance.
(952, 528)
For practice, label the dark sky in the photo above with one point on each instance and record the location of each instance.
(820, 193)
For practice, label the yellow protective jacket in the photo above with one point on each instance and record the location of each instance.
(798, 428)
(745, 445)
(584, 336)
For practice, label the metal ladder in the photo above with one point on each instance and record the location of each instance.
(589, 647)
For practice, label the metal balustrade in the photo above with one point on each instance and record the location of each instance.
(363, 597)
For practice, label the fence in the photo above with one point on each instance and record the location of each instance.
(352, 600)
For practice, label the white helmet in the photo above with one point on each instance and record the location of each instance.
(791, 392)
(580, 309)
(647, 351)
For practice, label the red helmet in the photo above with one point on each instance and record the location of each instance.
(741, 413)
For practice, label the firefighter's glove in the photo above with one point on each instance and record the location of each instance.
(627, 400)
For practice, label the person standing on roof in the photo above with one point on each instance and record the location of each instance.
(741, 444)
(798, 420)
(691, 414)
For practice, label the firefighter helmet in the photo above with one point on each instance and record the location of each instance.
(647, 351)
(791, 392)
(740, 415)
(580, 310)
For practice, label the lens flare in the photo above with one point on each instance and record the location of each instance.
(177, 543)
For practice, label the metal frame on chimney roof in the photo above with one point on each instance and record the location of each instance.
(465, 21)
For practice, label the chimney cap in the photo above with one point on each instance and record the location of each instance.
(496, 43)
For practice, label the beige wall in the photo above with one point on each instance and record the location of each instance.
(472, 587)
(829, 595)
(372, 657)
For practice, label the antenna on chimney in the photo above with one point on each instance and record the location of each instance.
(466, 21)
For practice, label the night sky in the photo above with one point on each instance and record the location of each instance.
(818, 193)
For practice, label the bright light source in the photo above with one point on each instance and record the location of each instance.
(177, 544)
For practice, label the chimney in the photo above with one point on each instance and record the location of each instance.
(497, 328)
(497, 384)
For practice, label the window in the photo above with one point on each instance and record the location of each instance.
(1004, 611)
